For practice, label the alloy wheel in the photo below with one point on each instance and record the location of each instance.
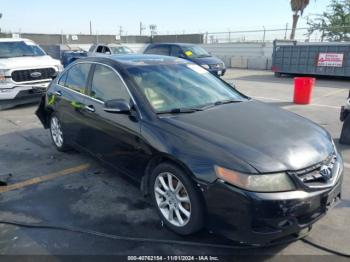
(172, 199)
(56, 132)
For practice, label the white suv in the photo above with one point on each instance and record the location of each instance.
(25, 71)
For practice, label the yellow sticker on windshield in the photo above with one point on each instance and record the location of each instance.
(189, 53)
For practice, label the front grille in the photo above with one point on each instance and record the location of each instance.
(312, 176)
(33, 74)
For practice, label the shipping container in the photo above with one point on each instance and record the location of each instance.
(323, 59)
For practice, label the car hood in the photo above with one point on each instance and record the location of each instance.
(210, 60)
(266, 137)
(28, 62)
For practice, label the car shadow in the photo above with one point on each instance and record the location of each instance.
(19, 103)
(98, 199)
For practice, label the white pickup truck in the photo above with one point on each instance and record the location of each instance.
(25, 71)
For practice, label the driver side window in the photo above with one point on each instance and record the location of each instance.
(99, 49)
(107, 85)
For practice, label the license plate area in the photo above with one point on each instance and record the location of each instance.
(39, 89)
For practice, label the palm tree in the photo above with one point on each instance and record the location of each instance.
(298, 7)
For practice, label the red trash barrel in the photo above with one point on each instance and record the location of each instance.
(303, 87)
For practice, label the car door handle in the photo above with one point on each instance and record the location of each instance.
(90, 108)
(58, 93)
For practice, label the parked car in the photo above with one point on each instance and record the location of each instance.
(110, 49)
(345, 118)
(190, 52)
(206, 154)
(69, 56)
(25, 71)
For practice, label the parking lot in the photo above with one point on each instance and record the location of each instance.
(72, 189)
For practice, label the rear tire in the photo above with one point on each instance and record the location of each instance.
(56, 133)
(177, 199)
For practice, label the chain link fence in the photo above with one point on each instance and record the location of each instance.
(261, 35)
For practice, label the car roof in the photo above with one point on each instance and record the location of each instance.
(175, 44)
(110, 45)
(115, 45)
(126, 61)
(15, 40)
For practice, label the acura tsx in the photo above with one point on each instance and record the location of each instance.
(207, 155)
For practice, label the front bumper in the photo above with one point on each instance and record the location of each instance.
(265, 218)
(18, 91)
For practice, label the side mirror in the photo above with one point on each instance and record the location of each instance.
(117, 106)
(182, 56)
(107, 53)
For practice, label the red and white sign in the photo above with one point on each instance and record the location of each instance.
(330, 59)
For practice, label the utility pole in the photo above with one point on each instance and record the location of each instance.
(90, 28)
(0, 18)
(264, 34)
(285, 34)
(120, 30)
(142, 27)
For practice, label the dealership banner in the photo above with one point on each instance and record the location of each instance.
(330, 59)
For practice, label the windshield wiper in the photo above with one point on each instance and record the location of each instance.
(224, 102)
(180, 111)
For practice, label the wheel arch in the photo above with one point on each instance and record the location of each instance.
(154, 162)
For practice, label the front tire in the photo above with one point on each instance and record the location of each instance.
(57, 135)
(176, 199)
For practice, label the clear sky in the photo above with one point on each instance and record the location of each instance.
(176, 16)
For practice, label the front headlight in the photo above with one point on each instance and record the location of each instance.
(2, 75)
(278, 182)
(205, 66)
(59, 68)
(335, 147)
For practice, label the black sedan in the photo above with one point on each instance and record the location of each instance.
(206, 154)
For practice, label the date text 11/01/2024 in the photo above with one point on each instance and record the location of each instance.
(173, 258)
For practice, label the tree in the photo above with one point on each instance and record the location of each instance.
(334, 24)
(298, 7)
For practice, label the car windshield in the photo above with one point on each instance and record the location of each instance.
(195, 51)
(176, 87)
(19, 48)
(121, 50)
